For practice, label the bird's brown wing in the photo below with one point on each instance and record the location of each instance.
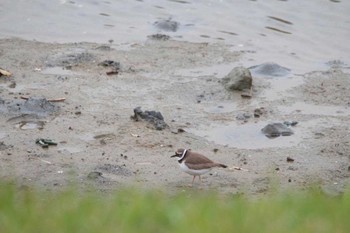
(198, 161)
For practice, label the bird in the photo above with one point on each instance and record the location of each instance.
(194, 163)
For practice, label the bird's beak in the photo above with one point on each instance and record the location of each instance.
(173, 156)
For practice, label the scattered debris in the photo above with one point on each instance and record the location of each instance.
(45, 143)
(290, 160)
(4, 73)
(238, 168)
(49, 100)
(258, 112)
(290, 123)
(238, 79)
(135, 135)
(276, 129)
(45, 161)
(153, 117)
(113, 64)
(112, 72)
(180, 130)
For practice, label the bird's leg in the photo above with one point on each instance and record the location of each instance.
(194, 177)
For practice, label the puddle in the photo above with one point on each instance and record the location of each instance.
(30, 125)
(219, 71)
(310, 109)
(247, 136)
(57, 71)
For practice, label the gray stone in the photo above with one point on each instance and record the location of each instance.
(276, 129)
(153, 117)
(167, 25)
(238, 79)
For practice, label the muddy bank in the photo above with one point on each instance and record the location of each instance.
(99, 145)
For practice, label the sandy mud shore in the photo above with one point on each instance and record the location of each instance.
(100, 146)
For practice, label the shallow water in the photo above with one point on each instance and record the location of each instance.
(247, 136)
(299, 35)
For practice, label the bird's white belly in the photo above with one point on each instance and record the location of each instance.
(193, 172)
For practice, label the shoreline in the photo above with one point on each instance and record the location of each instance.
(180, 79)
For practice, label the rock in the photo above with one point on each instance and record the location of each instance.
(159, 37)
(110, 63)
(290, 123)
(290, 160)
(238, 79)
(276, 130)
(34, 105)
(153, 117)
(258, 112)
(269, 69)
(167, 25)
(243, 116)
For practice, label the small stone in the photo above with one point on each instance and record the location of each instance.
(238, 79)
(276, 129)
(180, 130)
(277, 169)
(167, 25)
(215, 150)
(289, 180)
(159, 37)
(290, 160)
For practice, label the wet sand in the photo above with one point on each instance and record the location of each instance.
(41, 44)
(95, 133)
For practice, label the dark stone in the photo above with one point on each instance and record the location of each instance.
(259, 112)
(167, 25)
(159, 37)
(276, 129)
(269, 69)
(153, 117)
(290, 123)
(238, 79)
(109, 63)
(34, 105)
(290, 160)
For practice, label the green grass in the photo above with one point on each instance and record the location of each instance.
(133, 210)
